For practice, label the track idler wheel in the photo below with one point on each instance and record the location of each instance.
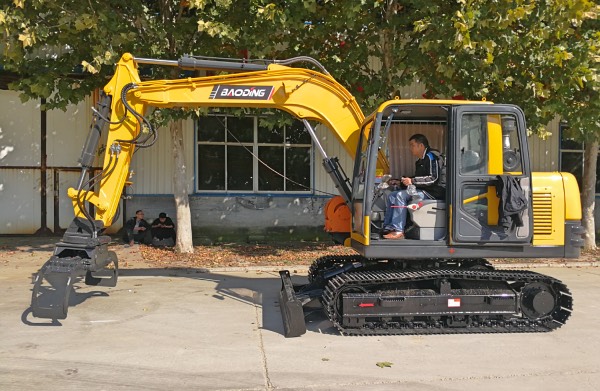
(537, 300)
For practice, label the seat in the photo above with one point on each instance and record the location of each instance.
(429, 219)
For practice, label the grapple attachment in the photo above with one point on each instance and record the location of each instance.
(52, 288)
(78, 255)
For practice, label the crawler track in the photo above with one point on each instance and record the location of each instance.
(526, 290)
(326, 262)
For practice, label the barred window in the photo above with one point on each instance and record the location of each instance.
(238, 155)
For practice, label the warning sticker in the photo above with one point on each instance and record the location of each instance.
(453, 303)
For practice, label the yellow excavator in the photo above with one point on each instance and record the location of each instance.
(435, 281)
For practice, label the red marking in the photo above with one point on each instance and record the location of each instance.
(451, 251)
(366, 305)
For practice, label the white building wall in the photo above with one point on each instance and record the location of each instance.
(20, 148)
(20, 202)
(544, 154)
(333, 148)
(19, 131)
(66, 132)
(65, 137)
(153, 167)
(20, 205)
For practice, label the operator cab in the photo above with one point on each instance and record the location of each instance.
(475, 141)
(426, 217)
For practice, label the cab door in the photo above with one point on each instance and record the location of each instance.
(488, 140)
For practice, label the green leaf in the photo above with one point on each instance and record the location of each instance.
(384, 364)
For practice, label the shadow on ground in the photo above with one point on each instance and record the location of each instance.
(253, 291)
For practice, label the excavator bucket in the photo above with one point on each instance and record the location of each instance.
(291, 308)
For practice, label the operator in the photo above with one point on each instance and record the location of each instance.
(137, 229)
(428, 181)
(163, 231)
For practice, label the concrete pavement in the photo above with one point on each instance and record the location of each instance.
(165, 329)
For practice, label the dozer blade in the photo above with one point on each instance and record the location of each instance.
(291, 308)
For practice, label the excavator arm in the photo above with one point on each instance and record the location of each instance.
(306, 94)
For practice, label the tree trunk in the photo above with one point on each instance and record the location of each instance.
(387, 37)
(183, 244)
(589, 194)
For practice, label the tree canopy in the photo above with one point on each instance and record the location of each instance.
(62, 50)
(542, 56)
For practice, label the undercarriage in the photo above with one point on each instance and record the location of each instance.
(380, 297)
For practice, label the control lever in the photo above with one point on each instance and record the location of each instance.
(384, 183)
(381, 186)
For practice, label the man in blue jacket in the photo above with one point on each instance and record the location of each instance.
(428, 182)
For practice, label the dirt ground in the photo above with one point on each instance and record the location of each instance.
(31, 251)
(34, 251)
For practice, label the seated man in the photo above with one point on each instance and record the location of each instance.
(428, 181)
(163, 230)
(137, 229)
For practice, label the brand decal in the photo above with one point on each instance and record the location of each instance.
(223, 91)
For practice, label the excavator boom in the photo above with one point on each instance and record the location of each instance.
(305, 94)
